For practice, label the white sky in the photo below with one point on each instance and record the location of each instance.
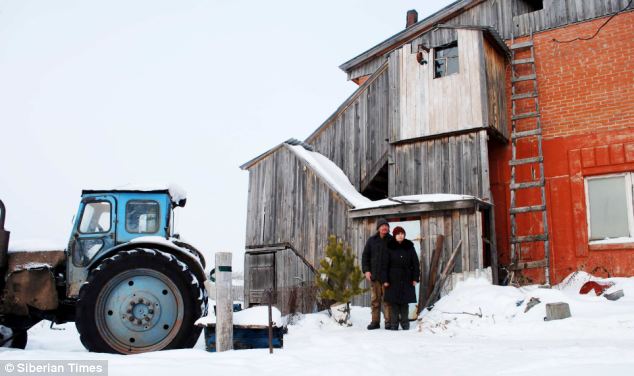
(96, 94)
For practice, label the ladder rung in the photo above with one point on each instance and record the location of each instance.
(524, 96)
(517, 162)
(532, 132)
(528, 184)
(523, 61)
(529, 265)
(524, 116)
(528, 209)
(529, 238)
(522, 45)
(528, 77)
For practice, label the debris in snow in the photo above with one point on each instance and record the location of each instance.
(598, 287)
(532, 303)
(557, 311)
(616, 295)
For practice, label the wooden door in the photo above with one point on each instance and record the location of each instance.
(261, 277)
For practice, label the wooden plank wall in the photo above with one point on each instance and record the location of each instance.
(428, 105)
(465, 224)
(455, 164)
(367, 69)
(289, 203)
(260, 276)
(294, 282)
(355, 140)
(505, 17)
(496, 89)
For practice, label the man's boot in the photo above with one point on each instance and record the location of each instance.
(374, 325)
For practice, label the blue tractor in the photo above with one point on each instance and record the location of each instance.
(125, 279)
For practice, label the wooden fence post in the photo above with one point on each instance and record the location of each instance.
(224, 302)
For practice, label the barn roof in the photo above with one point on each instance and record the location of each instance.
(410, 33)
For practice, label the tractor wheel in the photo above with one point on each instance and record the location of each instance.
(20, 337)
(13, 338)
(140, 300)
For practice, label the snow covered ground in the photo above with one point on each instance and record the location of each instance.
(597, 340)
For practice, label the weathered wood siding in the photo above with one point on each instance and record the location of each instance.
(508, 18)
(367, 69)
(465, 224)
(286, 274)
(513, 16)
(259, 276)
(496, 88)
(454, 164)
(354, 138)
(430, 106)
(290, 204)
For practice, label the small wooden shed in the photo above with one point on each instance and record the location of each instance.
(307, 198)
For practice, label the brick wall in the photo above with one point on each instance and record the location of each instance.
(586, 86)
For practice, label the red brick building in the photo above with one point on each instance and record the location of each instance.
(586, 97)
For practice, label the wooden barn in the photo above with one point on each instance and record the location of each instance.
(450, 133)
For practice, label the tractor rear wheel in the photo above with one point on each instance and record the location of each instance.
(140, 300)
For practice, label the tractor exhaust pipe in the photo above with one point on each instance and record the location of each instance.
(4, 238)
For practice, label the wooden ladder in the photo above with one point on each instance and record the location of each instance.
(535, 133)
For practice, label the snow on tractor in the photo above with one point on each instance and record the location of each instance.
(129, 284)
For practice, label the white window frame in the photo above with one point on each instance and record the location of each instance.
(629, 179)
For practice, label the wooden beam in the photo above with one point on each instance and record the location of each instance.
(405, 209)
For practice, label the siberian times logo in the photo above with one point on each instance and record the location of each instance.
(54, 367)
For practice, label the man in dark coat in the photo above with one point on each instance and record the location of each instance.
(400, 272)
(371, 261)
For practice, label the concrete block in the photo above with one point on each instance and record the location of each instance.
(557, 311)
(618, 294)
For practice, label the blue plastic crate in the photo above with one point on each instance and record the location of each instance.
(246, 337)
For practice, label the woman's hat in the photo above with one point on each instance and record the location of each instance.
(398, 230)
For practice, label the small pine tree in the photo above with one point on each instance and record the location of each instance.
(339, 278)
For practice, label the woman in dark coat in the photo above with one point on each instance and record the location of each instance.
(400, 273)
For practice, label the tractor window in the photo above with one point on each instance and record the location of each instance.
(95, 218)
(142, 217)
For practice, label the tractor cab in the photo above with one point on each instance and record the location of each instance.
(108, 218)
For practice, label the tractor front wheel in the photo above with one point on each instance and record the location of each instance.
(140, 300)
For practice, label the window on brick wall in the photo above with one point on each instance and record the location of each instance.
(610, 209)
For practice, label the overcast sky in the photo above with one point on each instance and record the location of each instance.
(97, 94)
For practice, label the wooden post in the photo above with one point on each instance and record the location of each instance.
(224, 303)
(269, 292)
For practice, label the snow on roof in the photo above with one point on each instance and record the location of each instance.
(332, 174)
(176, 192)
(415, 199)
(338, 181)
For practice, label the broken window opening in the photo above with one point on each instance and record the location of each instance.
(446, 60)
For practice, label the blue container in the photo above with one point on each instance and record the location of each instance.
(246, 337)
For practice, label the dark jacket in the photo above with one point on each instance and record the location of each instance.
(372, 256)
(400, 267)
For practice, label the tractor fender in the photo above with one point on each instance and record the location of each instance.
(194, 261)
